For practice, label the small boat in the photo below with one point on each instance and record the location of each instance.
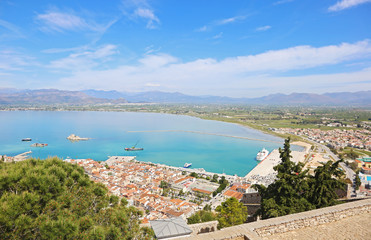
(26, 139)
(187, 165)
(262, 154)
(134, 148)
(39, 145)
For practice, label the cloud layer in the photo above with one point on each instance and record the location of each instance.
(344, 4)
(202, 76)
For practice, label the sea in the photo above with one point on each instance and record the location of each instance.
(167, 139)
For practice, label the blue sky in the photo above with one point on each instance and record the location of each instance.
(239, 48)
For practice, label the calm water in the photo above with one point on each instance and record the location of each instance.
(110, 133)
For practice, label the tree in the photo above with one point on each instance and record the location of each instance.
(230, 213)
(193, 174)
(295, 190)
(52, 199)
(215, 178)
(285, 195)
(324, 183)
(357, 181)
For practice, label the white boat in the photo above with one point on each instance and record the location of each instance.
(187, 165)
(262, 154)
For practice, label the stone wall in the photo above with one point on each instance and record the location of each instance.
(256, 230)
(205, 227)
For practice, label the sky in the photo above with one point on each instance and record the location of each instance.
(239, 48)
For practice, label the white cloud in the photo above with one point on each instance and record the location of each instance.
(84, 60)
(263, 28)
(57, 21)
(202, 29)
(149, 15)
(15, 32)
(230, 20)
(282, 2)
(217, 36)
(134, 9)
(234, 75)
(344, 4)
(11, 60)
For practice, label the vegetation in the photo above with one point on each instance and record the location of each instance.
(358, 181)
(295, 190)
(223, 184)
(201, 216)
(51, 199)
(229, 213)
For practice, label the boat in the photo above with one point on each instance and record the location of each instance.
(134, 148)
(262, 154)
(26, 139)
(39, 145)
(187, 165)
(75, 138)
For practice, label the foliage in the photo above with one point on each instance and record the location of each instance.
(223, 184)
(357, 181)
(193, 174)
(51, 199)
(352, 155)
(230, 213)
(201, 216)
(324, 183)
(295, 190)
(215, 178)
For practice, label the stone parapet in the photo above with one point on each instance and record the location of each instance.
(268, 227)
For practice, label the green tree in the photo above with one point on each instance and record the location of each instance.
(324, 183)
(357, 181)
(193, 174)
(286, 194)
(51, 199)
(201, 216)
(230, 213)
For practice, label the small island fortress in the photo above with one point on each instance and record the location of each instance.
(74, 137)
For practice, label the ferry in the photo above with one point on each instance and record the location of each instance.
(187, 165)
(26, 139)
(262, 154)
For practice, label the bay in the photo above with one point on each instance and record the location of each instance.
(166, 139)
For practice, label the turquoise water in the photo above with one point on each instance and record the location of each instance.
(110, 135)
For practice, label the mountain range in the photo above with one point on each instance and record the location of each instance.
(10, 96)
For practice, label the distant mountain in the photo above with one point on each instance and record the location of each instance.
(91, 96)
(51, 96)
(104, 94)
(343, 98)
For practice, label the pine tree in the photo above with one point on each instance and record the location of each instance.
(286, 194)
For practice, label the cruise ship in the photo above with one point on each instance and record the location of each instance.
(262, 154)
(187, 165)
